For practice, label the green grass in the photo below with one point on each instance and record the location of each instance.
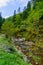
(7, 58)
(11, 59)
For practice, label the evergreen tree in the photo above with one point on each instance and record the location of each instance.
(24, 8)
(29, 6)
(14, 16)
(1, 20)
(25, 13)
(34, 3)
(19, 10)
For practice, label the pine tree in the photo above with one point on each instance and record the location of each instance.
(25, 13)
(1, 20)
(19, 10)
(14, 16)
(34, 3)
(29, 6)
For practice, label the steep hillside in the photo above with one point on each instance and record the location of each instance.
(30, 29)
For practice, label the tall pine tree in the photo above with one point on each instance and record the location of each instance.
(29, 6)
(14, 16)
(1, 20)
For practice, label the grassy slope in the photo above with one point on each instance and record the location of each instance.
(7, 58)
(33, 16)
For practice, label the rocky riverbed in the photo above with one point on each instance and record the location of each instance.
(26, 47)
